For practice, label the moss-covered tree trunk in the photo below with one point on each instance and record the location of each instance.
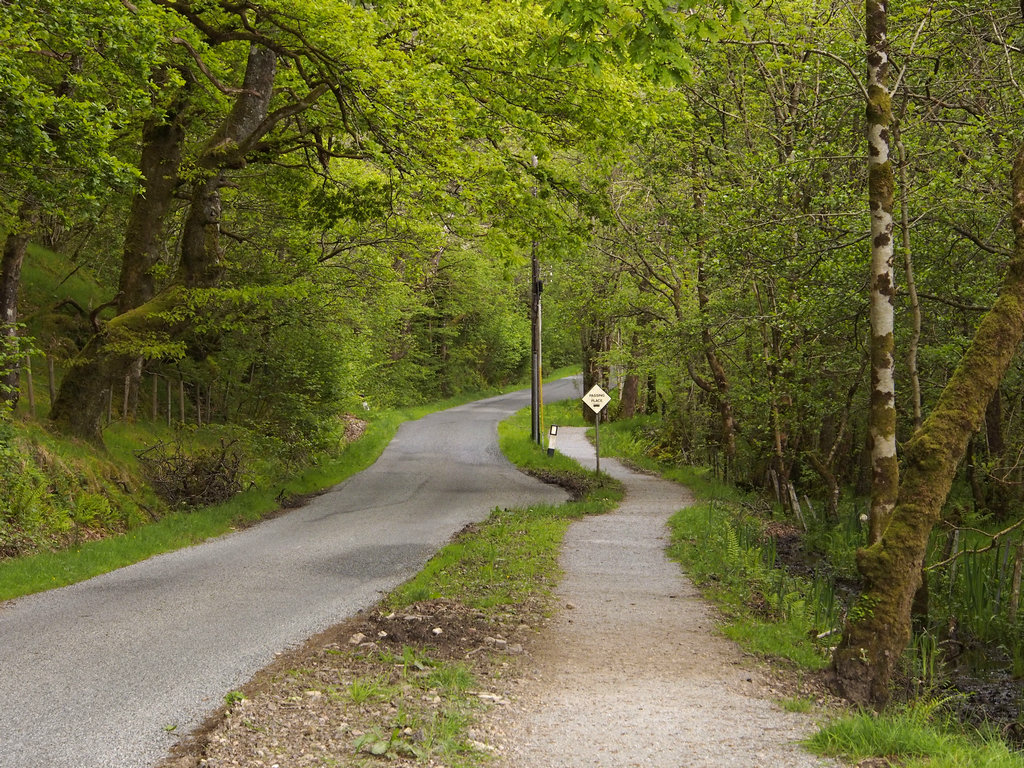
(162, 142)
(882, 418)
(80, 404)
(878, 626)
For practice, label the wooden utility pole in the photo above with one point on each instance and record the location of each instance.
(535, 378)
(536, 397)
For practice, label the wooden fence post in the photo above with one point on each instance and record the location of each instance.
(31, 386)
(51, 378)
(1018, 562)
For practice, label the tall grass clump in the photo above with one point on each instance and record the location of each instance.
(917, 735)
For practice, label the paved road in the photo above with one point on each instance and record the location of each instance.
(97, 675)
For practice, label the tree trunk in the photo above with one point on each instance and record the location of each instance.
(882, 418)
(630, 393)
(79, 407)
(727, 420)
(82, 400)
(878, 626)
(628, 403)
(999, 494)
(971, 470)
(651, 395)
(596, 342)
(832, 484)
(15, 248)
(162, 141)
(915, 304)
(770, 353)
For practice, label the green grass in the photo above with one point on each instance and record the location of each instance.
(917, 736)
(787, 639)
(799, 704)
(565, 413)
(450, 679)
(367, 689)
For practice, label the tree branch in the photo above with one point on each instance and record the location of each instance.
(949, 302)
(227, 90)
(816, 51)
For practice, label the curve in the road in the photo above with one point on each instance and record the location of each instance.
(108, 673)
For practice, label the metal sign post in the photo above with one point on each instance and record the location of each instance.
(596, 399)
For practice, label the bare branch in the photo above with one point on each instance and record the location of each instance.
(817, 51)
(994, 539)
(227, 90)
(988, 248)
(964, 306)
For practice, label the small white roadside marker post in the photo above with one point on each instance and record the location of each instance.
(552, 439)
(597, 399)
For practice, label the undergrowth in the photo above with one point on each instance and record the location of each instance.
(917, 735)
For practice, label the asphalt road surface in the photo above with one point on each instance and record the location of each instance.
(109, 673)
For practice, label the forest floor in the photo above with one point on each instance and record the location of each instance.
(628, 669)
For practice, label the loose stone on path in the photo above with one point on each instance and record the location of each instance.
(631, 672)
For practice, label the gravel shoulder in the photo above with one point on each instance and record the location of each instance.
(631, 672)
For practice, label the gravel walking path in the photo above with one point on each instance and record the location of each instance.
(631, 672)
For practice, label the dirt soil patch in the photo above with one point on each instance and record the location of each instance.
(379, 681)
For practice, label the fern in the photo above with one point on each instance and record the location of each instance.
(732, 544)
